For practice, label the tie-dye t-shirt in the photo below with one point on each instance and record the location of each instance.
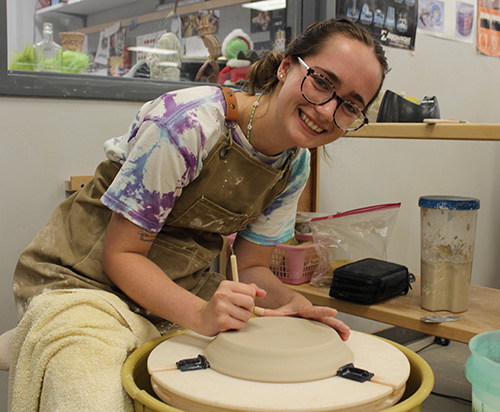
(163, 151)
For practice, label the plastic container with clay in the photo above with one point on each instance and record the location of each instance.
(448, 226)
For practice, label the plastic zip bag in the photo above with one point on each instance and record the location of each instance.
(350, 236)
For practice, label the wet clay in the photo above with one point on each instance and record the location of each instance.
(279, 349)
(445, 286)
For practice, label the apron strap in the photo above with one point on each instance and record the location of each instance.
(231, 104)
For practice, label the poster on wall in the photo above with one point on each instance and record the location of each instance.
(118, 61)
(111, 52)
(488, 28)
(450, 19)
(392, 22)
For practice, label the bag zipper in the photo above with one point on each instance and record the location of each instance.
(360, 210)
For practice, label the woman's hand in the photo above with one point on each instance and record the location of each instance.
(253, 264)
(230, 307)
(321, 314)
(126, 262)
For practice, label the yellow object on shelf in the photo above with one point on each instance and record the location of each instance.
(412, 99)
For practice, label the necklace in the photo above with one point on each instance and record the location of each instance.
(249, 127)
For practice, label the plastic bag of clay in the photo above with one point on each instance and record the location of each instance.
(350, 236)
(303, 219)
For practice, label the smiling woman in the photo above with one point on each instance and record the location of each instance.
(318, 90)
(342, 60)
(145, 229)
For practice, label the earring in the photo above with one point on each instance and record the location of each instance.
(282, 75)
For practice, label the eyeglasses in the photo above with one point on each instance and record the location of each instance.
(318, 90)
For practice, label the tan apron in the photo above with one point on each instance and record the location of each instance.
(232, 190)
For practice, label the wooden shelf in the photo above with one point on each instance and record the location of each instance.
(439, 131)
(405, 311)
(309, 199)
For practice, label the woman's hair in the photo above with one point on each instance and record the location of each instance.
(262, 74)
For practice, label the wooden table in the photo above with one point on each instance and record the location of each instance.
(405, 311)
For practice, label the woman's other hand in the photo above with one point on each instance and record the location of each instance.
(321, 314)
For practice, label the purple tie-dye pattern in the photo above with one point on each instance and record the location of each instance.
(173, 126)
(150, 207)
(154, 204)
(186, 122)
(180, 124)
(133, 132)
(134, 127)
(190, 158)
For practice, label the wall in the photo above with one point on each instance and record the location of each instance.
(44, 142)
(375, 171)
(465, 82)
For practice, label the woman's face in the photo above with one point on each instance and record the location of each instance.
(356, 74)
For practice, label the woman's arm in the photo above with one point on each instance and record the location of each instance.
(253, 267)
(125, 261)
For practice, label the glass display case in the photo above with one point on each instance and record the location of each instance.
(135, 49)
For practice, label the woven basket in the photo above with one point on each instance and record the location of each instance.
(72, 41)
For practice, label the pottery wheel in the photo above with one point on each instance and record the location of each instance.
(209, 390)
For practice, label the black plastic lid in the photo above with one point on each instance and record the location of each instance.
(449, 202)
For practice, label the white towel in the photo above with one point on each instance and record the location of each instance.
(69, 349)
(6, 349)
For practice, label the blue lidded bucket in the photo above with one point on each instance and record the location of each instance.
(482, 369)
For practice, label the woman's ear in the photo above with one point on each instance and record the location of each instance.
(284, 67)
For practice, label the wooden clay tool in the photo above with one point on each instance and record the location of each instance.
(436, 121)
(234, 270)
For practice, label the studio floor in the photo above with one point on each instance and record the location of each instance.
(452, 390)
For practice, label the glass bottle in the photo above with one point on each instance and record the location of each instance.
(48, 54)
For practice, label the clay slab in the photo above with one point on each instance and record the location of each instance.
(279, 349)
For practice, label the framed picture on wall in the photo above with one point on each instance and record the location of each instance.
(271, 21)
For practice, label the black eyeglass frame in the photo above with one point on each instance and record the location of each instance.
(335, 96)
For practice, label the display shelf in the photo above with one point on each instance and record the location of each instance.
(83, 7)
(439, 131)
(86, 7)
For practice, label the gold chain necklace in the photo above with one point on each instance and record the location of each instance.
(249, 127)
